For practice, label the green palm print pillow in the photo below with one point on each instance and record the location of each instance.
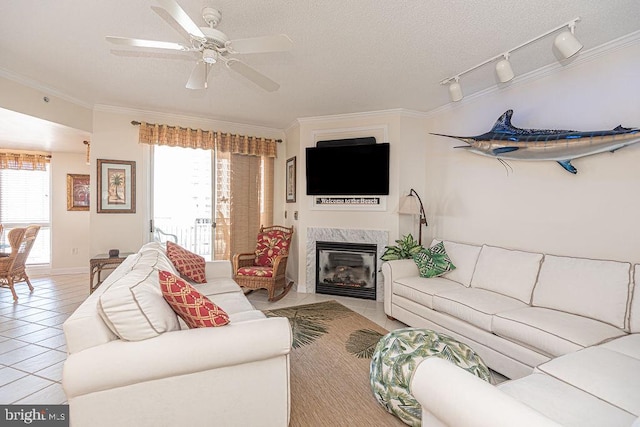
(434, 261)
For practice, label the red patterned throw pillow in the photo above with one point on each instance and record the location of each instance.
(187, 263)
(271, 244)
(194, 308)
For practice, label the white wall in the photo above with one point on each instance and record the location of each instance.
(115, 138)
(540, 206)
(69, 229)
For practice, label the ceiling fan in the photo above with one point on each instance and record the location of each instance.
(213, 46)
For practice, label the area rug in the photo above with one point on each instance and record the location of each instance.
(332, 349)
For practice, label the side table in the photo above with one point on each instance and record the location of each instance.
(103, 262)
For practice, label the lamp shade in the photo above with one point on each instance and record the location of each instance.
(455, 91)
(504, 70)
(409, 205)
(567, 44)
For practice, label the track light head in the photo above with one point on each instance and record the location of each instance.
(455, 90)
(504, 70)
(566, 42)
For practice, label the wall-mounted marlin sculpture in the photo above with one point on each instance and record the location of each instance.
(505, 141)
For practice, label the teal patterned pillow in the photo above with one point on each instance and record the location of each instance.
(434, 261)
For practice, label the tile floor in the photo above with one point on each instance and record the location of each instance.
(32, 346)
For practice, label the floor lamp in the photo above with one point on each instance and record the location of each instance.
(412, 205)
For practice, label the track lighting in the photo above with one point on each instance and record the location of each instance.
(504, 70)
(455, 91)
(565, 43)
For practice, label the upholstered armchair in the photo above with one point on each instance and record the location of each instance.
(265, 267)
(12, 266)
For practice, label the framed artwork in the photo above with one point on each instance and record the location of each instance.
(116, 186)
(291, 180)
(77, 192)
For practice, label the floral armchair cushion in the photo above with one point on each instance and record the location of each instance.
(255, 271)
(271, 244)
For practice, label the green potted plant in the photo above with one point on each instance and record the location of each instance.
(406, 247)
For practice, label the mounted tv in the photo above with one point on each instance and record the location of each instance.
(348, 170)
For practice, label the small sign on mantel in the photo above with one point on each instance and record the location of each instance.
(359, 203)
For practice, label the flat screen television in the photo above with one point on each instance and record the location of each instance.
(348, 170)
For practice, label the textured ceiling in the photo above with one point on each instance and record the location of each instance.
(348, 56)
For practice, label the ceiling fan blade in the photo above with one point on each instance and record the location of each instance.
(275, 43)
(182, 18)
(147, 43)
(258, 78)
(198, 77)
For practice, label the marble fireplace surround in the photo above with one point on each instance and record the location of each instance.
(378, 237)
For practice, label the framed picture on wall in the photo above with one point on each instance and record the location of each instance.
(77, 192)
(116, 186)
(291, 180)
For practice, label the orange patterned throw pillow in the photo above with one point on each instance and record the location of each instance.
(194, 308)
(187, 263)
(271, 244)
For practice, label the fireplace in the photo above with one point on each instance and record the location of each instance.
(347, 269)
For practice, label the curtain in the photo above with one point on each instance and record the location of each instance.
(244, 201)
(175, 136)
(24, 161)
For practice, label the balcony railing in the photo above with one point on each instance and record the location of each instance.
(195, 237)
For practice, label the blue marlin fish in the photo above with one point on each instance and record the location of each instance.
(505, 141)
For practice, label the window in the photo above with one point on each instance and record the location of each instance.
(24, 200)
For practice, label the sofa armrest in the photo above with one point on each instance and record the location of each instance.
(218, 269)
(451, 396)
(121, 363)
(393, 270)
(400, 268)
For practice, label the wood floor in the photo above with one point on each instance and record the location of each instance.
(32, 346)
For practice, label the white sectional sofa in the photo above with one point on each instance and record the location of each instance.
(566, 331)
(132, 362)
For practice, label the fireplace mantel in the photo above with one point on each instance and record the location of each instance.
(378, 237)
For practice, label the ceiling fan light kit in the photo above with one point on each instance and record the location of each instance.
(209, 56)
(566, 44)
(213, 46)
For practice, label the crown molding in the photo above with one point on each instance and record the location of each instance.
(33, 84)
(403, 112)
(226, 126)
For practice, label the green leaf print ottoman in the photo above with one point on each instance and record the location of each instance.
(396, 357)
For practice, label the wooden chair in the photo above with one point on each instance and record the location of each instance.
(12, 266)
(265, 268)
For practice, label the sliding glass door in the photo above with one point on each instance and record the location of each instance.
(184, 198)
(210, 202)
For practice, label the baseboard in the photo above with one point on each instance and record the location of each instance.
(46, 270)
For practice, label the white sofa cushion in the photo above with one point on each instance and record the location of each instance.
(607, 374)
(563, 403)
(464, 257)
(217, 286)
(475, 306)
(593, 288)
(134, 308)
(507, 272)
(231, 302)
(422, 290)
(634, 315)
(629, 345)
(550, 331)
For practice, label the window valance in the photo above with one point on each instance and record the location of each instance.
(24, 161)
(175, 136)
